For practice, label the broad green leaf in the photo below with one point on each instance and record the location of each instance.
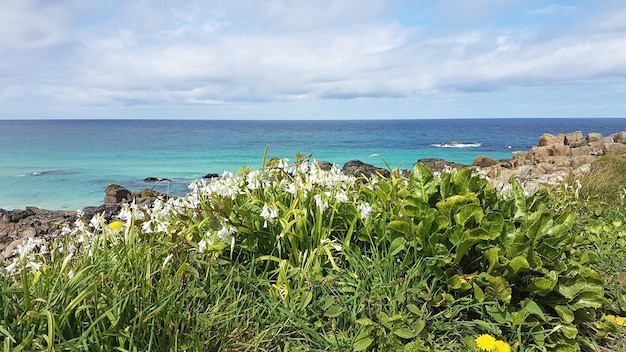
(397, 246)
(365, 321)
(588, 300)
(519, 198)
(499, 288)
(565, 313)
(533, 308)
(478, 293)
(569, 330)
(493, 223)
(401, 226)
(467, 212)
(362, 341)
(404, 333)
(334, 311)
(518, 264)
(492, 256)
(422, 181)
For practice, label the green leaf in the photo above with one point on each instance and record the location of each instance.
(499, 288)
(588, 300)
(365, 321)
(568, 330)
(362, 341)
(543, 285)
(468, 212)
(532, 307)
(333, 311)
(422, 181)
(404, 333)
(478, 293)
(519, 198)
(401, 226)
(492, 256)
(397, 246)
(565, 313)
(518, 264)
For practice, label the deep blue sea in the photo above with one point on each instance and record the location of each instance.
(67, 164)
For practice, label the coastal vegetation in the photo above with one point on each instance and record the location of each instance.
(291, 257)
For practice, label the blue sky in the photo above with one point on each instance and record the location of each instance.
(312, 59)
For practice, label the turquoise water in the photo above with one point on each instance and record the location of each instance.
(67, 164)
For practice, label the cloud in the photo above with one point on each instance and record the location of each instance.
(236, 53)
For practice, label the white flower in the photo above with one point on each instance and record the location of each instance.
(365, 209)
(226, 233)
(125, 214)
(341, 197)
(70, 275)
(34, 265)
(320, 202)
(12, 267)
(202, 246)
(291, 188)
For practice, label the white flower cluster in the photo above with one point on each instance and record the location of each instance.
(27, 256)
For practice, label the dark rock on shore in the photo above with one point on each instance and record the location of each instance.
(358, 168)
(17, 225)
(116, 194)
(211, 175)
(439, 165)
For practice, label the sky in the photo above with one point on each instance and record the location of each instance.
(312, 59)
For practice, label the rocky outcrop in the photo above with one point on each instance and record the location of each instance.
(116, 194)
(358, 168)
(439, 165)
(554, 158)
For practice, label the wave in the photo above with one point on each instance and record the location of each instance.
(456, 145)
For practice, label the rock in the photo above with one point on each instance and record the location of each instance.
(211, 175)
(619, 137)
(358, 168)
(574, 139)
(613, 148)
(324, 165)
(438, 165)
(156, 179)
(483, 161)
(115, 194)
(594, 138)
(548, 139)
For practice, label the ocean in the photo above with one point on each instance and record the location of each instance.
(67, 164)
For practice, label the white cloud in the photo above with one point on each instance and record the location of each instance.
(229, 53)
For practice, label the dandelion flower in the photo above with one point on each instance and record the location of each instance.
(115, 225)
(619, 321)
(501, 346)
(486, 342)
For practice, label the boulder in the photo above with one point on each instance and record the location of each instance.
(613, 148)
(573, 139)
(324, 165)
(548, 139)
(483, 161)
(438, 165)
(358, 168)
(115, 194)
(619, 137)
(594, 137)
(211, 175)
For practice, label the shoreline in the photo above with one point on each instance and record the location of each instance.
(549, 162)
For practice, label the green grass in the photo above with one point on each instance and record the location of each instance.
(606, 181)
(295, 259)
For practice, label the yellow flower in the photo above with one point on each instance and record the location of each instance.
(619, 321)
(501, 346)
(115, 225)
(486, 342)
